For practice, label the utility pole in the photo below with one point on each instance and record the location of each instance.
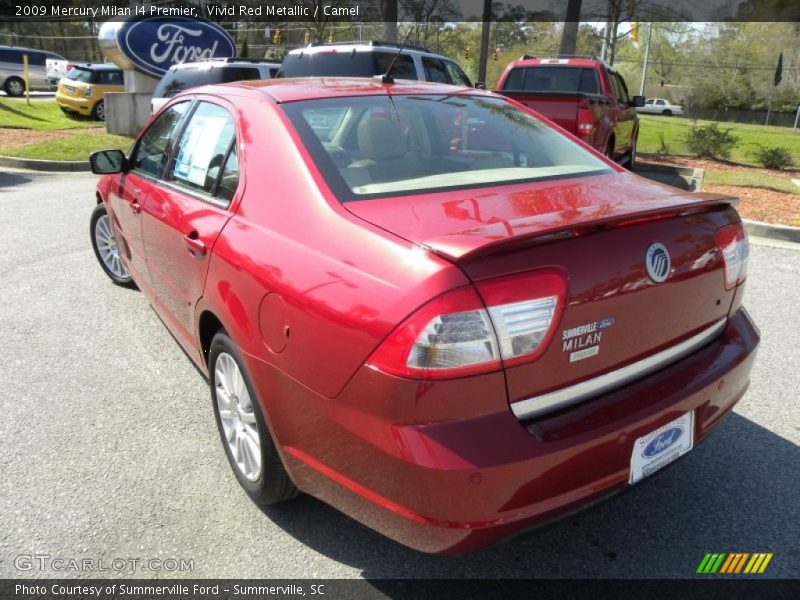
(487, 23)
(646, 58)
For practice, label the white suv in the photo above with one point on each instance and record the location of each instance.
(367, 59)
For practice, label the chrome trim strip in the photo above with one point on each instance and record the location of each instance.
(538, 405)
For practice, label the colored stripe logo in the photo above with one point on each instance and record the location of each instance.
(734, 562)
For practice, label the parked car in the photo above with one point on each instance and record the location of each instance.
(659, 106)
(56, 69)
(82, 90)
(585, 96)
(185, 76)
(424, 304)
(12, 77)
(367, 59)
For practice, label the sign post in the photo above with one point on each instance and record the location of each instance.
(26, 77)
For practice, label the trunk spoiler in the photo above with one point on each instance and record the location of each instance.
(511, 234)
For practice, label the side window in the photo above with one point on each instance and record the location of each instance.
(151, 153)
(660, 102)
(229, 180)
(403, 67)
(109, 77)
(457, 76)
(203, 149)
(649, 101)
(435, 70)
(622, 94)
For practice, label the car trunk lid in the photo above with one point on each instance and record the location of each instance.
(615, 314)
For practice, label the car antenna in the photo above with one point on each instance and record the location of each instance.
(387, 77)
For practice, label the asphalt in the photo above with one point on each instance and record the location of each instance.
(108, 447)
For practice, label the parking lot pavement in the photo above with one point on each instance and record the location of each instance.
(108, 446)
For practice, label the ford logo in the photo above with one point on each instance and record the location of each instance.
(662, 441)
(154, 44)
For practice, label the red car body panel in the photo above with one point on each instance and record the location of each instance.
(308, 288)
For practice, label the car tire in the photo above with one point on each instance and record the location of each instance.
(14, 86)
(631, 165)
(99, 111)
(104, 244)
(667, 112)
(245, 437)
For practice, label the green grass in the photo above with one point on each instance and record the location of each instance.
(76, 146)
(750, 137)
(751, 179)
(41, 115)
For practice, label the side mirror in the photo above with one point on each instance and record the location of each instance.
(106, 162)
(638, 101)
(480, 85)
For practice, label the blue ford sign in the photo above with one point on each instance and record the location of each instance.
(662, 441)
(154, 44)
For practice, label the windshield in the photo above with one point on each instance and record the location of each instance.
(179, 80)
(374, 146)
(78, 74)
(333, 63)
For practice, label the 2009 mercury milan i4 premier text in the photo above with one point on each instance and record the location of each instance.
(425, 304)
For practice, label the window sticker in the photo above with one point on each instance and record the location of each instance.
(194, 158)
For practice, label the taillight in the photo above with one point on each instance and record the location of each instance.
(732, 242)
(585, 122)
(464, 333)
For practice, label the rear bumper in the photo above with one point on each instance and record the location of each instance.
(457, 485)
(75, 104)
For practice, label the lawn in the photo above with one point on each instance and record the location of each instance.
(752, 180)
(75, 146)
(41, 115)
(43, 131)
(750, 137)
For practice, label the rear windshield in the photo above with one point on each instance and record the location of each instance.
(347, 64)
(553, 79)
(80, 74)
(379, 146)
(179, 80)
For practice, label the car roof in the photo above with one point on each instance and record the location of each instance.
(223, 62)
(316, 88)
(345, 48)
(96, 66)
(531, 61)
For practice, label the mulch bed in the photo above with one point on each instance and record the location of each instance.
(758, 204)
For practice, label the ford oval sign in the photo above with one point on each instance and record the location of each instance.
(662, 441)
(154, 44)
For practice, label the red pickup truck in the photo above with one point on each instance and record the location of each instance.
(585, 96)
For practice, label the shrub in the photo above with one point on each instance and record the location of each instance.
(774, 157)
(709, 141)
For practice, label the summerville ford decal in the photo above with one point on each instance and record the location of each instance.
(153, 44)
(584, 341)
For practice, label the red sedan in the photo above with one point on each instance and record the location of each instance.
(426, 305)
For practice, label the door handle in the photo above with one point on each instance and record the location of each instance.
(135, 208)
(196, 245)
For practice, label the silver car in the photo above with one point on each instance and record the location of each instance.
(659, 106)
(12, 77)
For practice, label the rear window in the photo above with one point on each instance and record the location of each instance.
(377, 146)
(553, 79)
(179, 80)
(81, 74)
(346, 64)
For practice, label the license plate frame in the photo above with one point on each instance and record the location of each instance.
(662, 446)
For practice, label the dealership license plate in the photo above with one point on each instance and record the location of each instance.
(660, 447)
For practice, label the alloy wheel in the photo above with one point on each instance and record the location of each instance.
(107, 246)
(237, 416)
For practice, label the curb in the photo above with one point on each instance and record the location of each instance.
(44, 165)
(773, 232)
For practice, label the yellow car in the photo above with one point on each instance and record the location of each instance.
(81, 91)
